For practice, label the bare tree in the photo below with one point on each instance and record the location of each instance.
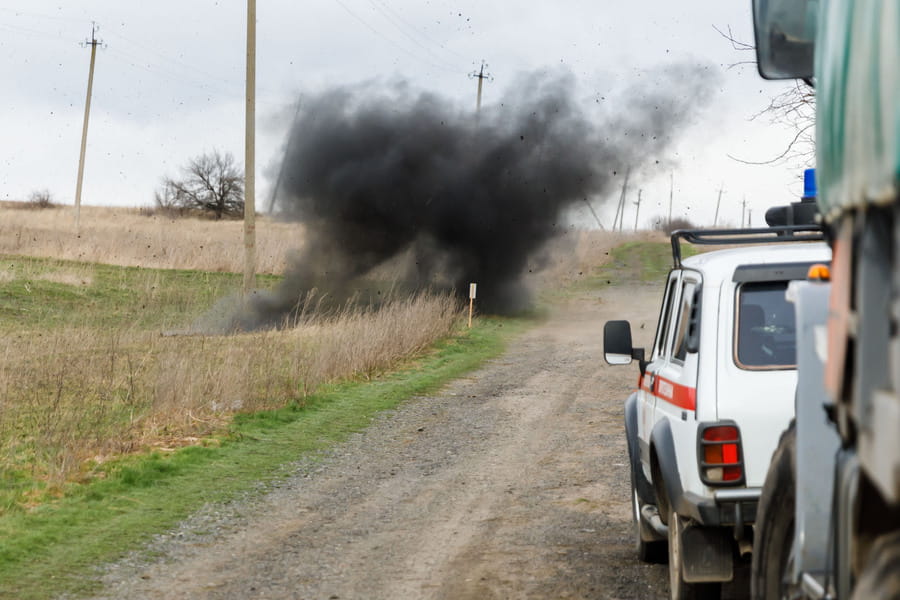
(794, 108)
(211, 183)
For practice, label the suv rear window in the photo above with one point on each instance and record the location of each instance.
(765, 336)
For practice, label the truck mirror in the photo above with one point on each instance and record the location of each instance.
(617, 348)
(785, 37)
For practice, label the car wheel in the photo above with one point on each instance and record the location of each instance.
(679, 589)
(771, 573)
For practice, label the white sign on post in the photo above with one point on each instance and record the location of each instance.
(471, 302)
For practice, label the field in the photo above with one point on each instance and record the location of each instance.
(90, 373)
(114, 425)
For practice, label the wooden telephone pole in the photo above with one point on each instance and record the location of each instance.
(637, 209)
(620, 209)
(480, 76)
(718, 202)
(250, 154)
(87, 114)
(671, 193)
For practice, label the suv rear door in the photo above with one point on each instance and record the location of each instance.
(756, 382)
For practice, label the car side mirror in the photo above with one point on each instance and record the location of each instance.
(617, 348)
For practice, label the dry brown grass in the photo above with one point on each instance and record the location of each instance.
(75, 396)
(124, 236)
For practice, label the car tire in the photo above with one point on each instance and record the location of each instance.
(649, 549)
(773, 546)
(880, 579)
(679, 589)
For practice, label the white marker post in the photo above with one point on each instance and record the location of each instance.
(472, 287)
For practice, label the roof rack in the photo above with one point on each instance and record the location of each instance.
(766, 235)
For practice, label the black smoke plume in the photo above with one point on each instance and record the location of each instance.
(384, 176)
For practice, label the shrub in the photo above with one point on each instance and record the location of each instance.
(41, 199)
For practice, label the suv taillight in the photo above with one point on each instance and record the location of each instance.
(719, 454)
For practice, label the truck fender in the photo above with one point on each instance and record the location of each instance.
(641, 484)
(662, 445)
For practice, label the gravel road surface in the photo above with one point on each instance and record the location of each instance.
(510, 483)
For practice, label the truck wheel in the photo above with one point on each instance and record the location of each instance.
(649, 549)
(679, 589)
(880, 579)
(773, 546)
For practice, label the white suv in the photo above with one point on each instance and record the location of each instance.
(713, 396)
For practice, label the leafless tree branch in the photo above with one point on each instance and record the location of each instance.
(793, 108)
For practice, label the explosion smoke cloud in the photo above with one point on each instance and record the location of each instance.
(380, 176)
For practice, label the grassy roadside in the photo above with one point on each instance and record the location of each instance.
(50, 550)
(633, 262)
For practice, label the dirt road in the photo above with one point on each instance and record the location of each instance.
(511, 483)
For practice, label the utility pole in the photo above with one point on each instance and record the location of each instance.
(637, 209)
(480, 76)
(287, 152)
(87, 114)
(749, 217)
(718, 202)
(593, 212)
(250, 154)
(743, 210)
(671, 192)
(620, 209)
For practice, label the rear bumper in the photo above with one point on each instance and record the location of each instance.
(734, 507)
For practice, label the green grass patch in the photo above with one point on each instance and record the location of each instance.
(634, 262)
(41, 293)
(53, 548)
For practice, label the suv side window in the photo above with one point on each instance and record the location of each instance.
(662, 328)
(765, 336)
(684, 315)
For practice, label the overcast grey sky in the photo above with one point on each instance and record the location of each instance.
(169, 83)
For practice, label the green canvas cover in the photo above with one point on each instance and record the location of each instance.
(858, 96)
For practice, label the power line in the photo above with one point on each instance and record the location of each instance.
(174, 61)
(132, 60)
(397, 20)
(391, 41)
(34, 33)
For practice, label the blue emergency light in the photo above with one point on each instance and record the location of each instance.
(809, 184)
